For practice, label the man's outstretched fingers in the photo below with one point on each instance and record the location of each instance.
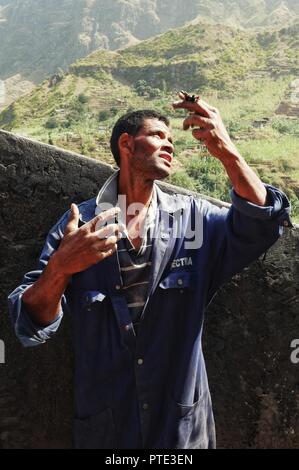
(105, 254)
(73, 220)
(105, 232)
(197, 106)
(201, 134)
(197, 120)
(103, 217)
(106, 244)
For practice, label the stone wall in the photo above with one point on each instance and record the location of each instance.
(249, 326)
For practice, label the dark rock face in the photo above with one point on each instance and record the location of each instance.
(37, 183)
(249, 328)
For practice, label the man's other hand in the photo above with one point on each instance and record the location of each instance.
(83, 247)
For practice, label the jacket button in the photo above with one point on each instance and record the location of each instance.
(286, 223)
(145, 406)
(140, 362)
(180, 282)
(117, 287)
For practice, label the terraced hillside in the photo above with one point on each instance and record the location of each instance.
(38, 37)
(250, 76)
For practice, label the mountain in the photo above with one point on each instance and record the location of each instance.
(38, 37)
(251, 76)
(249, 13)
(200, 56)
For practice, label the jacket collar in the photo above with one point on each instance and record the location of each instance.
(170, 203)
(108, 192)
(166, 202)
(107, 195)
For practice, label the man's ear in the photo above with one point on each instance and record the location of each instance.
(126, 144)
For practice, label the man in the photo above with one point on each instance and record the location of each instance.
(137, 300)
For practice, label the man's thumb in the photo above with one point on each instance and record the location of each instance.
(73, 220)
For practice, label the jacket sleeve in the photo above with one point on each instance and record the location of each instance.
(27, 332)
(237, 236)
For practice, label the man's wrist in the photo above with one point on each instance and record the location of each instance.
(55, 268)
(231, 158)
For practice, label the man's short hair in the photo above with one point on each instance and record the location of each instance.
(131, 123)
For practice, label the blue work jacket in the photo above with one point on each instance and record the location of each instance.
(151, 390)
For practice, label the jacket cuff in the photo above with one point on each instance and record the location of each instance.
(31, 334)
(278, 209)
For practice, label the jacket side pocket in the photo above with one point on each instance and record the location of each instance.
(95, 432)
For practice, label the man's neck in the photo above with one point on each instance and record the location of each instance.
(140, 191)
(135, 188)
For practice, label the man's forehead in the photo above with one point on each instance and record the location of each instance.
(154, 123)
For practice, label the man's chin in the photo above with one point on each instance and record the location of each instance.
(157, 172)
(162, 173)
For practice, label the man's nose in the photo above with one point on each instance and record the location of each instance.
(168, 146)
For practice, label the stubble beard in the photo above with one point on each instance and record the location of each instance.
(151, 168)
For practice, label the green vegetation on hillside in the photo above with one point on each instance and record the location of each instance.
(247, 75)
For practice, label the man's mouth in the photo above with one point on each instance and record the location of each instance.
(167, 157)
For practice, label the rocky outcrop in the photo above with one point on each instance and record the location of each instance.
(34, 43)
(249, 327)
(290, 105)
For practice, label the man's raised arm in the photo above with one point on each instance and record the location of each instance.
(209, 128)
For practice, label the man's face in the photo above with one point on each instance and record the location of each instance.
(153, 150)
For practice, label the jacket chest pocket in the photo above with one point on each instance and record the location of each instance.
(91, 299)
(181, 280)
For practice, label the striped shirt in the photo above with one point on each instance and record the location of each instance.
(135, 267)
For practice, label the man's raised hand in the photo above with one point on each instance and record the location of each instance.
(207, 125)
(83, 247)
